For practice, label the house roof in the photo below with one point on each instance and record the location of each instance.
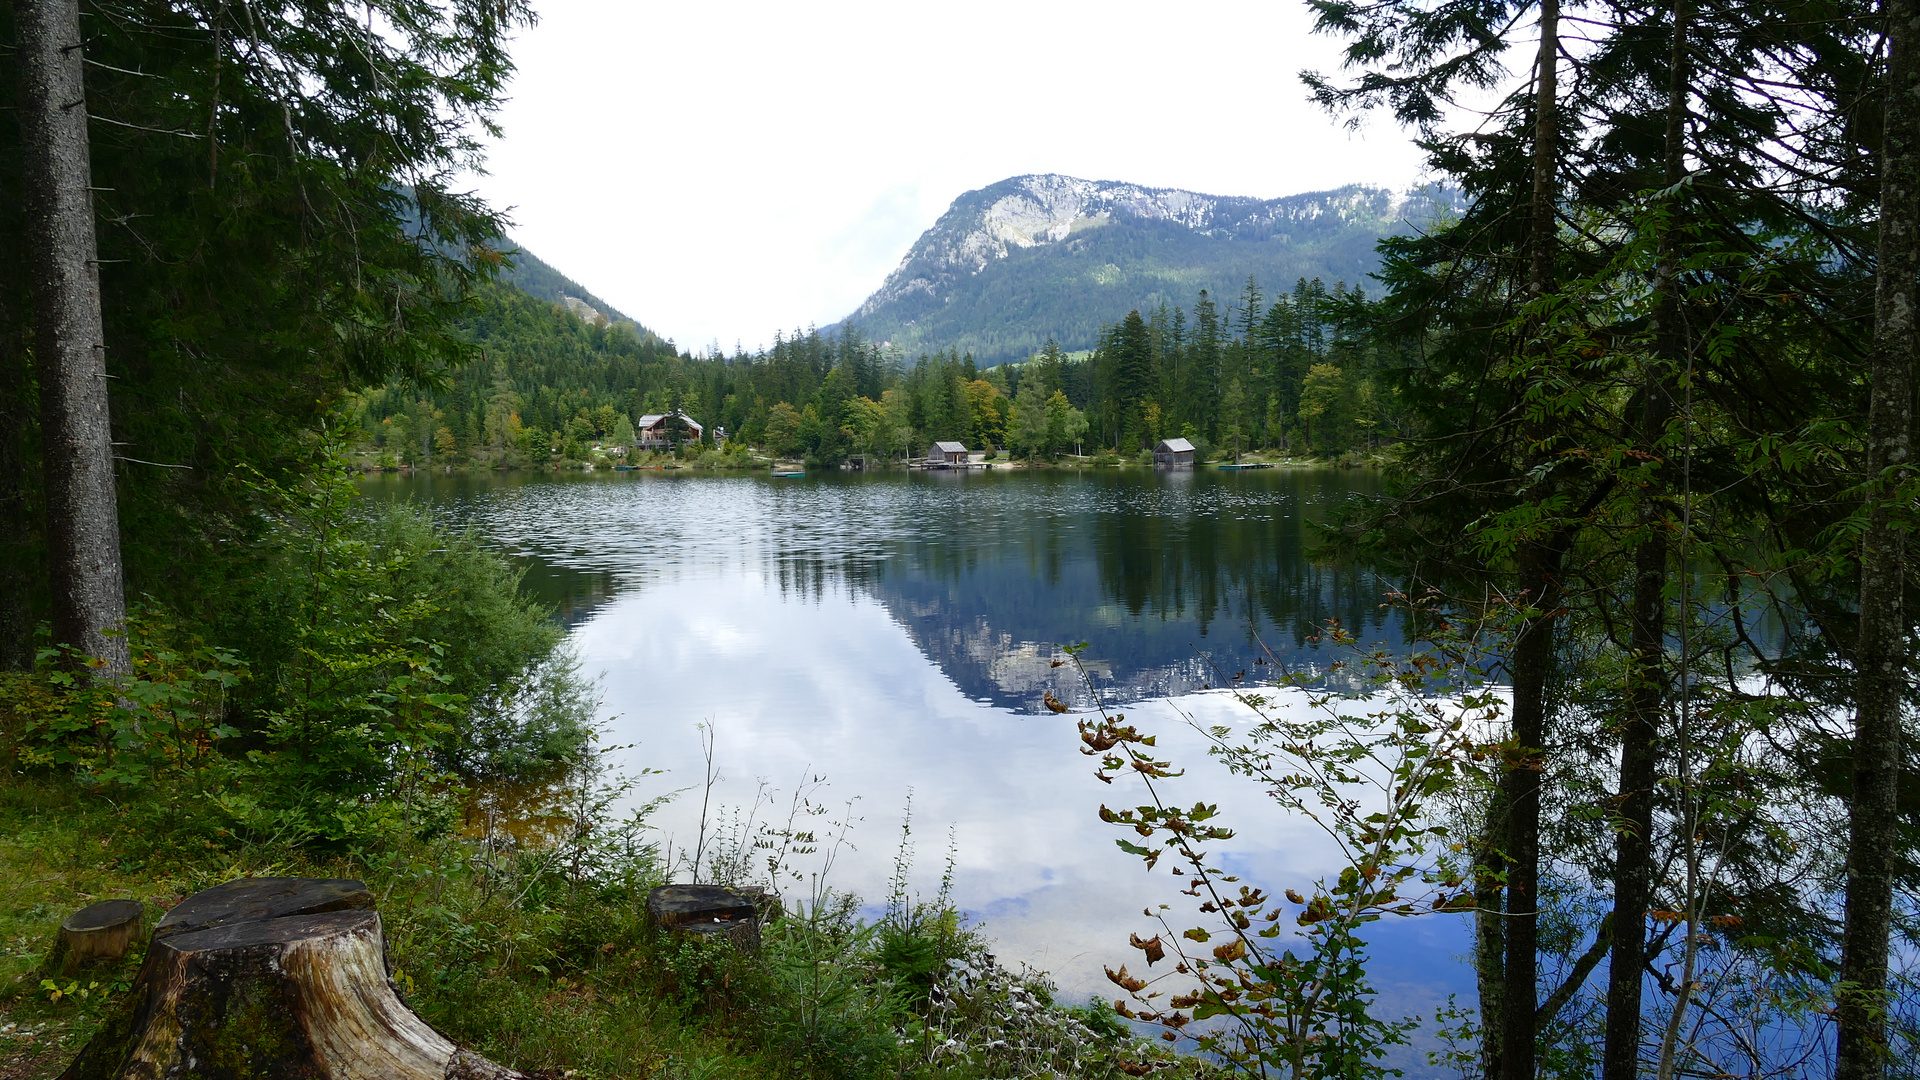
(950, 447)
(1177, 446)
(651, 419)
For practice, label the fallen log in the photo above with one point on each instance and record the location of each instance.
(244, 985)
(105, 931)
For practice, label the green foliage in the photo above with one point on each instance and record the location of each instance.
(278, 221)
(158, 726)
(830, 1009)
(1362, 765)
(371, 661)
(1297, 372)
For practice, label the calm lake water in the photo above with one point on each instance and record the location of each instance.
(895, 635)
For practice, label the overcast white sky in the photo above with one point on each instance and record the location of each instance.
(722, 170)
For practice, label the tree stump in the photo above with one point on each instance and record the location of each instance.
(258, 898)
(106, 931)
(707, 910)
(244, 985)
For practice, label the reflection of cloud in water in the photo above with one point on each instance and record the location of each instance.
(897, 633)
(974, 567)
(833, 687)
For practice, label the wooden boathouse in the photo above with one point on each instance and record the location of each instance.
(1173, 454)
(947, 455)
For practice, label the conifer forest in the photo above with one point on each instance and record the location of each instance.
(1641, 407)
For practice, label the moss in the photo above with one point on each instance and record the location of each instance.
(247, 1035)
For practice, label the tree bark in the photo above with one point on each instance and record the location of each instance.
(709, 911)
(241, 989)
(1633, 846)
(19, 542)
(1490, 933)
(1881, 657)
(83, 526)
(1531, 668)
(1533, 647)
(105, 931)
(1647, 673)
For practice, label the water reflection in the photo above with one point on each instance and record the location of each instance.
(896, 634)
(986, 572)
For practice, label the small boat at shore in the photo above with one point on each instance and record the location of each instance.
(1234, 466)
(787, 475)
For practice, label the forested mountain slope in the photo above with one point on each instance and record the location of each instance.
(1046, 256)
(537, 278)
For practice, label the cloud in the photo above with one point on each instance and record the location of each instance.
(721, 171)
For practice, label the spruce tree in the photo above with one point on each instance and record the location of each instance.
(1200, 392)
(70, 343)
(1133, 379)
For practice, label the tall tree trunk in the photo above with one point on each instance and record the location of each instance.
(1532, 666)
(1533, 648)
(1881, 656)
(83, 525)
(1490, 933)
(1646, 694)
(19, 539)
(1647, 676)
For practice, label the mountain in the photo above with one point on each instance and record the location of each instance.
(1039, 256)
(535, 277)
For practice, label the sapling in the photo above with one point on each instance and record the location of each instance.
(1364, 778)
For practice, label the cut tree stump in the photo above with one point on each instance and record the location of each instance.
(245, 985)
(707, 910)
(105, 931)
(258, 898)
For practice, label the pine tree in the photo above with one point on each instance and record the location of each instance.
(1200, 394)
(1133, 379)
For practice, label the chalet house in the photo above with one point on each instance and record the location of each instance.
(1173, 454)
(947, 453)
(661, 431)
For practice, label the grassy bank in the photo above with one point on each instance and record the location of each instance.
(367, 695)
(539, 960)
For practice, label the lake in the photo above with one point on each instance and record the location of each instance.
(895, 634)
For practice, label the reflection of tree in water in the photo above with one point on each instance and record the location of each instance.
(808, 576)
(572, 593)
(1165, 579)
(1253, 570)
(985, 572)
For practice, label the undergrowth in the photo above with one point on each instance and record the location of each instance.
(379, 701)
(532, 948)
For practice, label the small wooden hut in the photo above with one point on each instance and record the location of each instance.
(947, 454)
(1173, 454)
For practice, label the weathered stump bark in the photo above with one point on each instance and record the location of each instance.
(105, 931)
(260, 898)
(707, 910)
(240, 983)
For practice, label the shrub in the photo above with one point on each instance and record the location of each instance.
(364, 662)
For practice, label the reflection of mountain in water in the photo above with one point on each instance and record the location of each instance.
(1164, 574)
(1168, 579)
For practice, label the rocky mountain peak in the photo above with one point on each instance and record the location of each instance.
(1046, 256)
(1029, 211)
